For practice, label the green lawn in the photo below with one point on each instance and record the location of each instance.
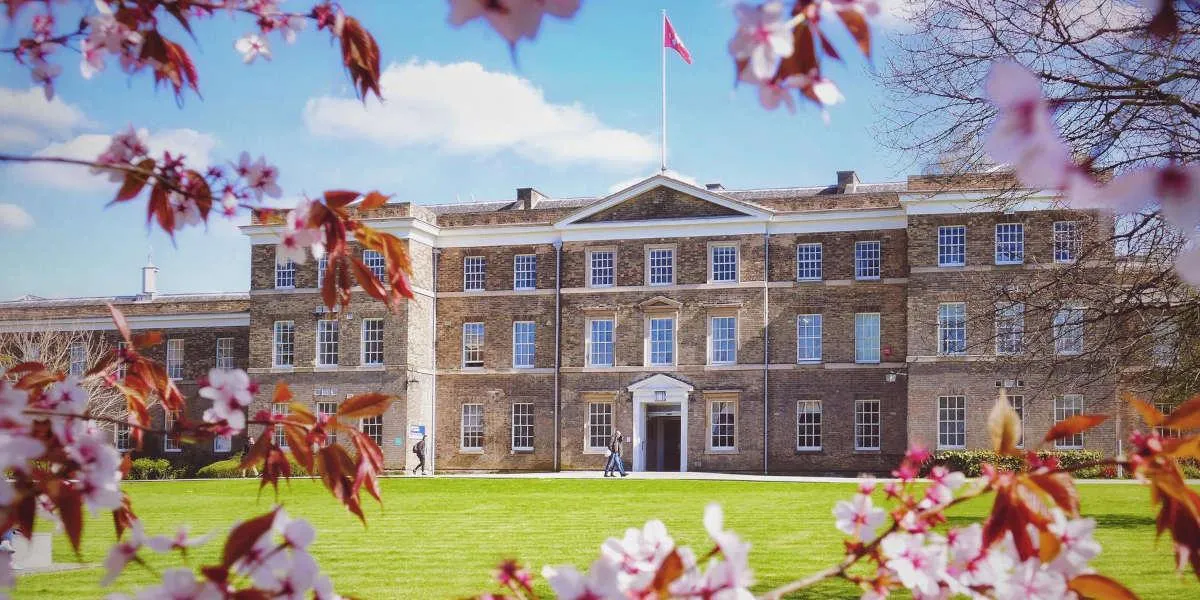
(440, 538)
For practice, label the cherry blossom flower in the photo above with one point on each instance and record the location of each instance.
(291, 26)
(13, 402)
(1077, 545)
(180, 541)
(252, 46)
(187, 212)
(920, 566)
(67, 396)
(16, 453)
(298, 236)
(181, 584)
(763, 38)
(1031, 581)
(600, 582)
(866, 485)
(859, 517)
(43, 74)
(771, 95)
(639, 553)
(512, 19)
(123, 552)
(260, 176)
(944, 483)
(231, 391)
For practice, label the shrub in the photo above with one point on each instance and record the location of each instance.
(231, 467)
(152, 468)
(970, 461)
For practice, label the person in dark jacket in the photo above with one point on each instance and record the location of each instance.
(419, 450)
(614, 456)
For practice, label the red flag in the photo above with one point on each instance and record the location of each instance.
(671, 40)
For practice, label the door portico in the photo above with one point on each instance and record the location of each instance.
(659, 395)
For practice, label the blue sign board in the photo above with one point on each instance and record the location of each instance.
(416, 432)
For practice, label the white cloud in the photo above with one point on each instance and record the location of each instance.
(28, 119)
(461, 108)
(14, 218)
(194, 145)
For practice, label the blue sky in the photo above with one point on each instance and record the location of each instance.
(577, 114)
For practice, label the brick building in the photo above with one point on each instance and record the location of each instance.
(816, 329)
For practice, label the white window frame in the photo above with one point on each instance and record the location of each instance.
(806, 324)
(810, 265)
(169, 444)
(374, 261)
(328, 340)
(77, 354)
(372, 427)
(1063, 325)
(590, 344)
(525, 272)
(1068, 241)
(472, 348)
(122, 440)
(1010, 235)
(522, 426)
(1068, 405)
(322, 266)
(222, 444)
(810, 427)
(865, 430)
(370, 342)
(471, 423)
(650, 267)
(735, 268)
(285, 275)
(174, 362)
(952, 329)
(723, 431)
(731, 357)
(952, 422)
(868, 349)
(225, 353)
(599, 425)
(328, 408)
(610, 269)
(122, 367)
(864, 270)
(279, 436)
(474, 273)
(522, 359)
(952, 246)
(651, 350)
(278, 346)
(1010, 328)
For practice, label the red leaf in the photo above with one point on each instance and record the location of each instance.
(1185, 416)
(282, 393)
(827, 47)
(373, 200)
(147, 339)
(1061, 488)
(365, 405)
(298, 444)
(160, 208)
(1073, 425)
(120, 322)
(134, 182)
(1165, 23)
(1151, 415)
(244, 536)
(340, 198)
(671, 569)
(70, 512)
(856, 24)
(200, 193)
(360, 55)
(366, 278)
(1099, 587)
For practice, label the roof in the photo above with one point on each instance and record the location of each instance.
(31, 300)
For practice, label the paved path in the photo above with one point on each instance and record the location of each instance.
(717, 477)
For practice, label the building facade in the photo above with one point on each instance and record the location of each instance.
(793, 330)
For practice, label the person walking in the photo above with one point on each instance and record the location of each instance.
(614, 456)
(419, 450)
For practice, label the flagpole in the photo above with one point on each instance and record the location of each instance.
(663, 138)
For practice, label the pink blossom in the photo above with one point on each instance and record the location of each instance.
(67, 396)
(231, 391)
(866, 485)
(1188, 263)
(252, 46)
(43, 74)
(16, 453)
(291, 26)
(121, 553)
(13, 402)
(298, 236)
(771, 95)
(763, 38)
(260, 176)
(1030, 580)
(600, 582)
(920, 567)
(181, 584)
(512, 19)
(180, 541)
(639, 553)
(1077, 545)
(859, 517)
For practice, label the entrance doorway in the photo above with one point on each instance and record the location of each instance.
(662, 443)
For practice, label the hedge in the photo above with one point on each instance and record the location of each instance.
(970, 461)
(231, 467)
(152, 468)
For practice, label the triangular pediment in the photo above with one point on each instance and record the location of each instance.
(660, 382)
(662, 198)
(660, 303)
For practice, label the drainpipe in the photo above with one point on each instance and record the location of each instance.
(766, 345)
(433, 339)
(557, 349)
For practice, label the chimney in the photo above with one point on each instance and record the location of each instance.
(149, 279)
(714, 186)
(847, 182)
(528, 198)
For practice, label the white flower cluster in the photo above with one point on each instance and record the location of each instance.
(627, 567)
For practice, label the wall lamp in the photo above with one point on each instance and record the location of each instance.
(891, 376)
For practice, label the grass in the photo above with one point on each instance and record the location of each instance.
(440, 538)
